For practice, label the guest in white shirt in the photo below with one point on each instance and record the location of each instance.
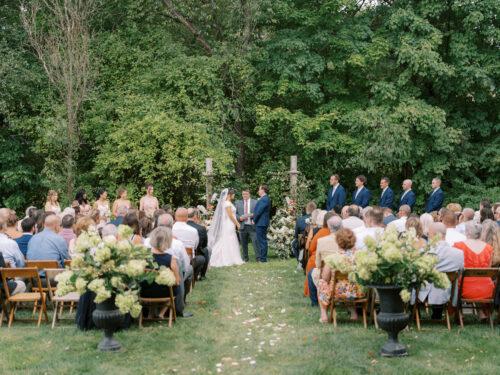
(400, 224)
(189, 238)
(374, 221)
(12, 255)
(453, 236)
(467, 215)
(352, 220)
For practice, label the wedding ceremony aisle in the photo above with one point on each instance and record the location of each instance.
(250, 319)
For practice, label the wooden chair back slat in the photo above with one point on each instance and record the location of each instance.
(42, 264)
(480, 272)
(24, 273)
(67, 263)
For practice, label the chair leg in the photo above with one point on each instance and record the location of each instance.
(61, 308)
(2, 314)
(330, 315)
(11, 313)
(365, 323)
(140, 320)
(334, 311)
(460, 317)
(447, 314)
(34, 308)
(40, 312)
(417, 316)
(71, 307)
(170, 316)
(54, 317)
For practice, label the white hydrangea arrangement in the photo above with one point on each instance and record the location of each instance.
(281, 232)
(110, 267)
(392, 260)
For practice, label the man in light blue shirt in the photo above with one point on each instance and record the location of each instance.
(10, 249)
(48, 245)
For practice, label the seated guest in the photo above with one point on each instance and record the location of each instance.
(314, 226)
(323, 232)
(83, 224)
(67, 232)
(449, 260)
(326, 246)
(387, 196)
(132, 220)
(352, 221)
(361, 196)
(121, 211)
(374, 222)
(344, 289)
(388, 216)
(8, 247)
(146, 225)
(161, 241)
(28, 228)
(467, 215)
(490, 234)
(11, 226)
(189, 238)
(497, 213)
(202, 249)
(449, 219)
(426, 220)
(48, 245)
(302, 224)
(477, 254)
(109, 230)
(156, 215)
(15, 286)
(400, 224)
(484, 203)
(456, 208)
(414, 222)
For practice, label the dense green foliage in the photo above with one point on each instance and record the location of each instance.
(406, 89)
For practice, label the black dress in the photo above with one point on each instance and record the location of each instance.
(155, 290)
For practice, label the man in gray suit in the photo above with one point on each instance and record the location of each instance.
(244, 215)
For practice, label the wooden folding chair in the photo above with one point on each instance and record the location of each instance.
(67, 263)
(41, 265)
(166, 303)
(71, 298)
(337, 276)
(374, 302)
(492, 273)
(448, 306)
(38, 298)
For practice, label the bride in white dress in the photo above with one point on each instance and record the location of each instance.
(222, 237)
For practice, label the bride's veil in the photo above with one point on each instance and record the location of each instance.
(216, 226)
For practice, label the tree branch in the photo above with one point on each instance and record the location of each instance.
(196, 33)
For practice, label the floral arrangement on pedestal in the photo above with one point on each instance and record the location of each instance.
(110, 267)
(282, 230)
(392, 260)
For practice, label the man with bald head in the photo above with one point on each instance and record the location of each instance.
(467, 215)
(449, 260)
(400, 224)
(47, 245)
(408, 197)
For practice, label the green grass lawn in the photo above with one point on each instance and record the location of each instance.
(248, 320)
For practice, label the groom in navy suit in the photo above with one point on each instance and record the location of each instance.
(261, 219)
(335, 198)
(387, 196)
(436, 199)
(361, 196)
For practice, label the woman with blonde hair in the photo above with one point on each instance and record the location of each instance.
(83, 224)
(52, 202)
(426, 220)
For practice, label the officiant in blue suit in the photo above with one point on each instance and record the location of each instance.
(335, 198)
(361, 196)
(387, 196)
(261, 219)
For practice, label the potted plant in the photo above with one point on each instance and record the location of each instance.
(394, 266)
(114, 270)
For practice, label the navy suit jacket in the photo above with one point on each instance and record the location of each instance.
(363, 198)
(261, 212)
(337, 200)
(408, 199)
(387, 199)
(435, 201)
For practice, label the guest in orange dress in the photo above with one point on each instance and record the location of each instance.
(322, 218)
(477, 254)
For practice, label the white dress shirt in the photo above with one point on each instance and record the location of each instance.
(405, 192)
(362, 233)
(353, 222)
(186, 234)
(383, 191)
(357, 192)
(400, 224)
(453, 236)
(10, 251)
(178, 251)
(334, 189)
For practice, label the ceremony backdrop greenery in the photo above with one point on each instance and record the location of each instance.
(406, 89)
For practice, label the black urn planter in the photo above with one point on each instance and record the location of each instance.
(392, 319)
(110, 319)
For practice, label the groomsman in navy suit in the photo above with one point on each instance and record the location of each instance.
(261, 215)
(436, 199)
(361, 196)
(387, 197)
(335, 198)
(408, 196)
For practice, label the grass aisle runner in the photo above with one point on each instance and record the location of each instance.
(248, 320)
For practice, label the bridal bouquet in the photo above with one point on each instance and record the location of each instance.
(392, 260)
(111, 267)
(281, 232)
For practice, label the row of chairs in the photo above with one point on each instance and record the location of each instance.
(456, 280)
